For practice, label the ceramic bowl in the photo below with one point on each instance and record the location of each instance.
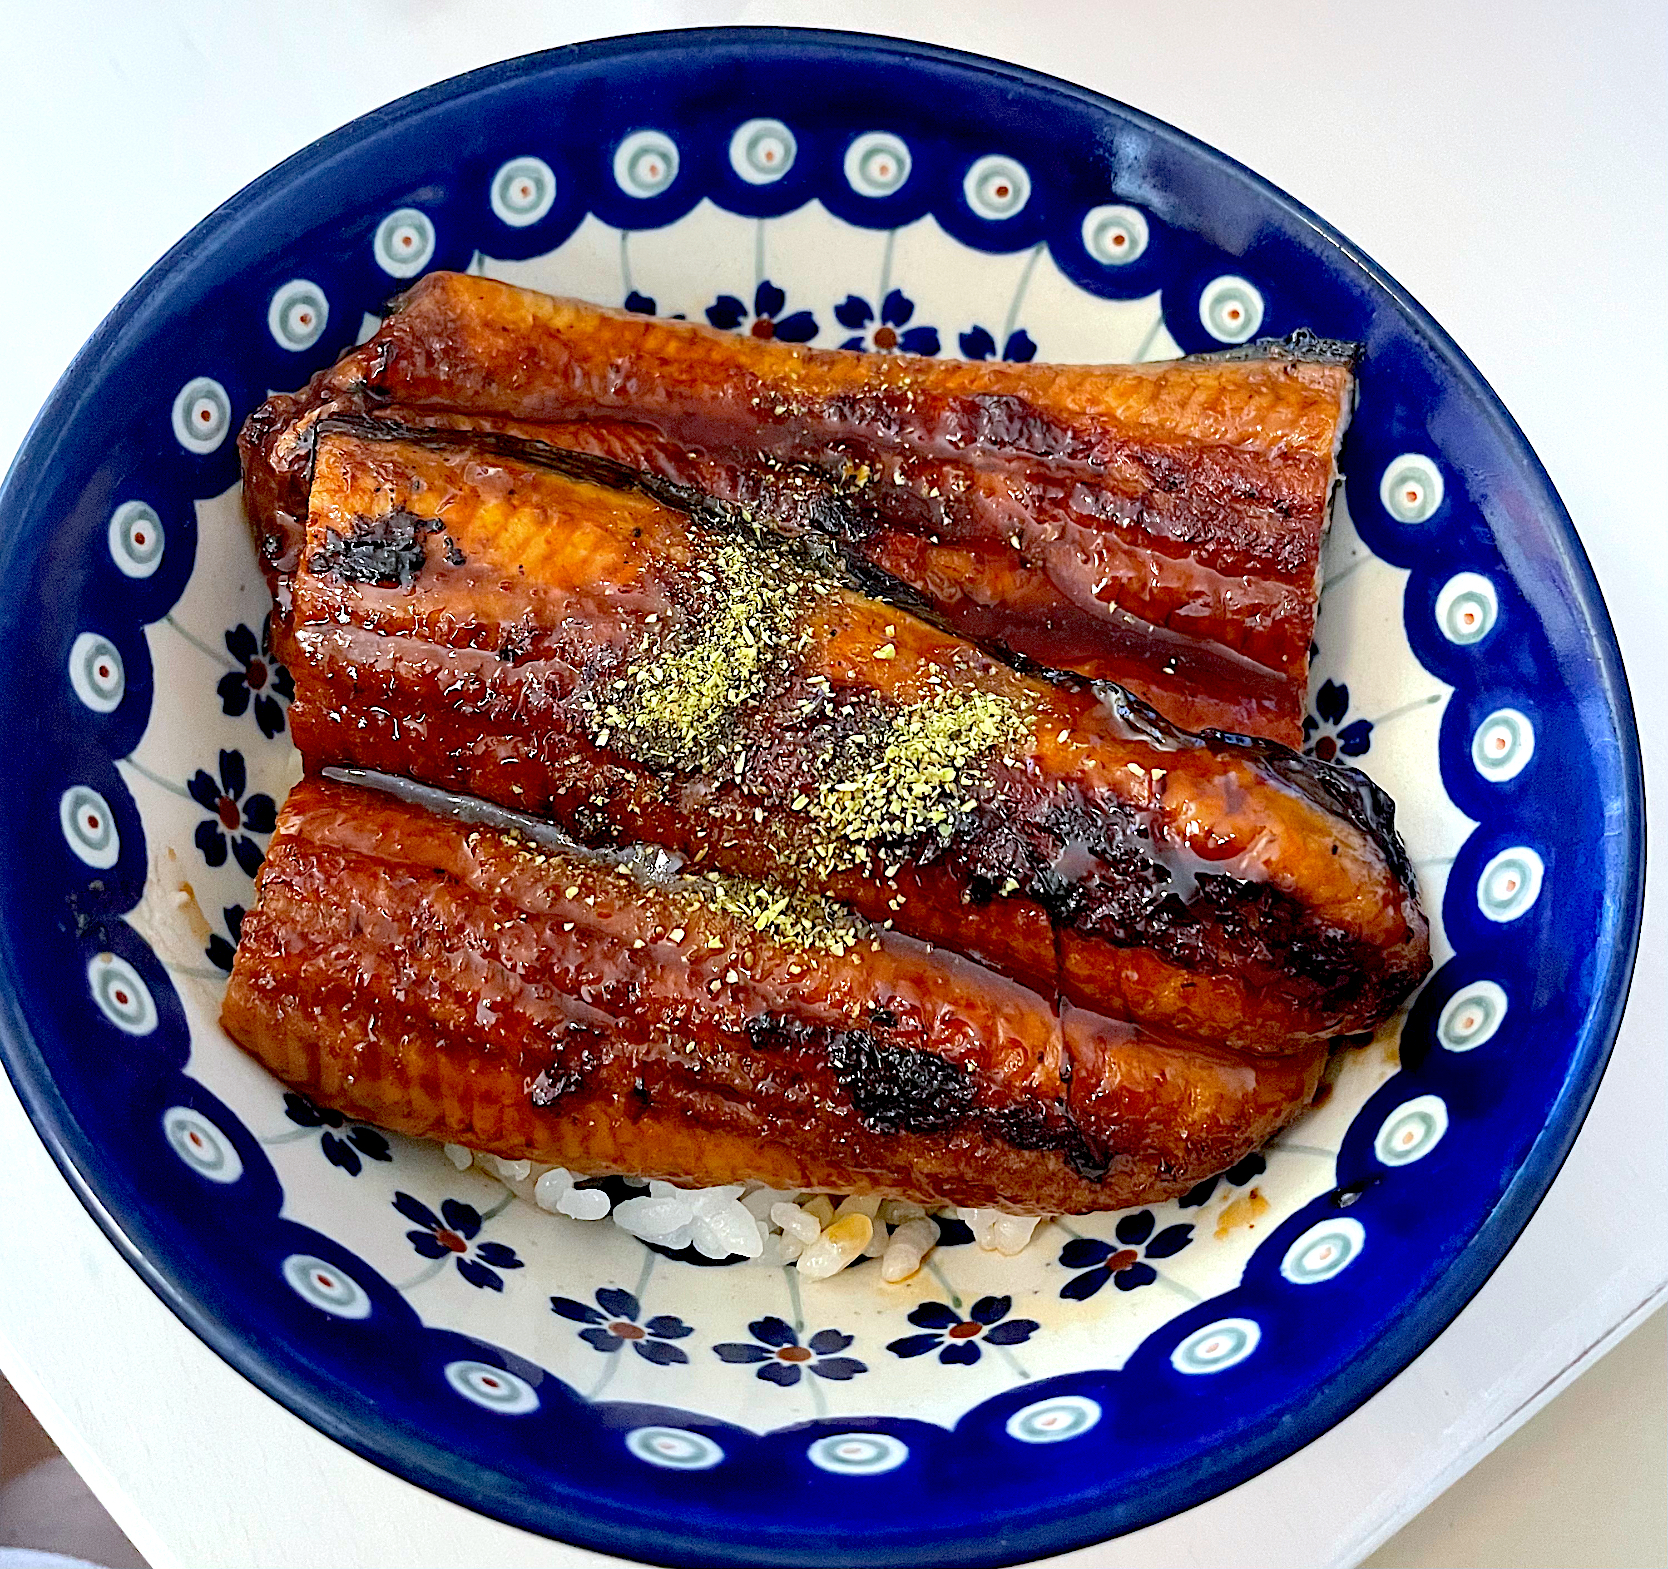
(849, 192)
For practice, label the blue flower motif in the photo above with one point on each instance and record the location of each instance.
(258, 676)
(613, 1323)
(453, 1232)
(953, 1231)
(361, 1139)
(978, 344)
(956, 1338)
(767, 319)
(641, 304)
(1325, 735)
(1252, 1166)
(221, 952)
(783, 1357)
(232, 814)
(890, 331)
(1124, 1266)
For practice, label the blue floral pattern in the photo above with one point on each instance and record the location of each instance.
(775, 1345)
(886, 330)
(957, 1339)
(640, 304)
(1124, 1263)
(1325, 735)
(220, 951)
(978, 344)
(340, 1150)
(613, 1323)
(453, 1231)
(234, 818)
(766, 319)
(259, 678)
(1254, 1165)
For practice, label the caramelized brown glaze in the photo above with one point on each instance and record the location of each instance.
(467, 613)
(1158, 525)
(456, 981)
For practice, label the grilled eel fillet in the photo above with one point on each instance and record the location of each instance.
(1156, 525)
(533, 627)
(511, 992)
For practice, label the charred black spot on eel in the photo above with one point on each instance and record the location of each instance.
(385, 551)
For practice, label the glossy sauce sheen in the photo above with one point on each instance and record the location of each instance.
(454, 981)
(1156, 525)
(462, 615)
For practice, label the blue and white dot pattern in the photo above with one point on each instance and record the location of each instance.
(201, 1145)
(762, 151)
(1503, 745)
(329, 1289)
(1323, 1251)
(1115, 235)
(674, 1448)
(523, 191)
(1218, 1346)
(877, 164)
(1411, 1131)
(136, 539)
(858, 1454)
(1467, 608)
(646, 164)
(1472, 1016)
(492, 1388)
(297, 315)
(122, 997)
(1510, 883)
(202, 415)
(1231, 309)
(89, 827)
(404, 242)
(997, 188)
(96, 674)
(1411, 488)
(1054, 1420)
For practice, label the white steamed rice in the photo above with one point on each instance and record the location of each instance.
(749, 1220)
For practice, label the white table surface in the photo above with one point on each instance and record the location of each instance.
(1504, 162)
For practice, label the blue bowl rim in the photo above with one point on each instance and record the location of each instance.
(1492, 1239)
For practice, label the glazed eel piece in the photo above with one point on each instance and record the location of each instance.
(560, 635)
(492, 984)
(1158, 525)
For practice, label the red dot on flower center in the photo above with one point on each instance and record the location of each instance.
(964, 1331)
(452, 1242)
(885, 338)
(626, 1331)
(1326, 749)
(257, 673)
(226, 808)
(1122, 1259)
(764, 327)
(793, 1354)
